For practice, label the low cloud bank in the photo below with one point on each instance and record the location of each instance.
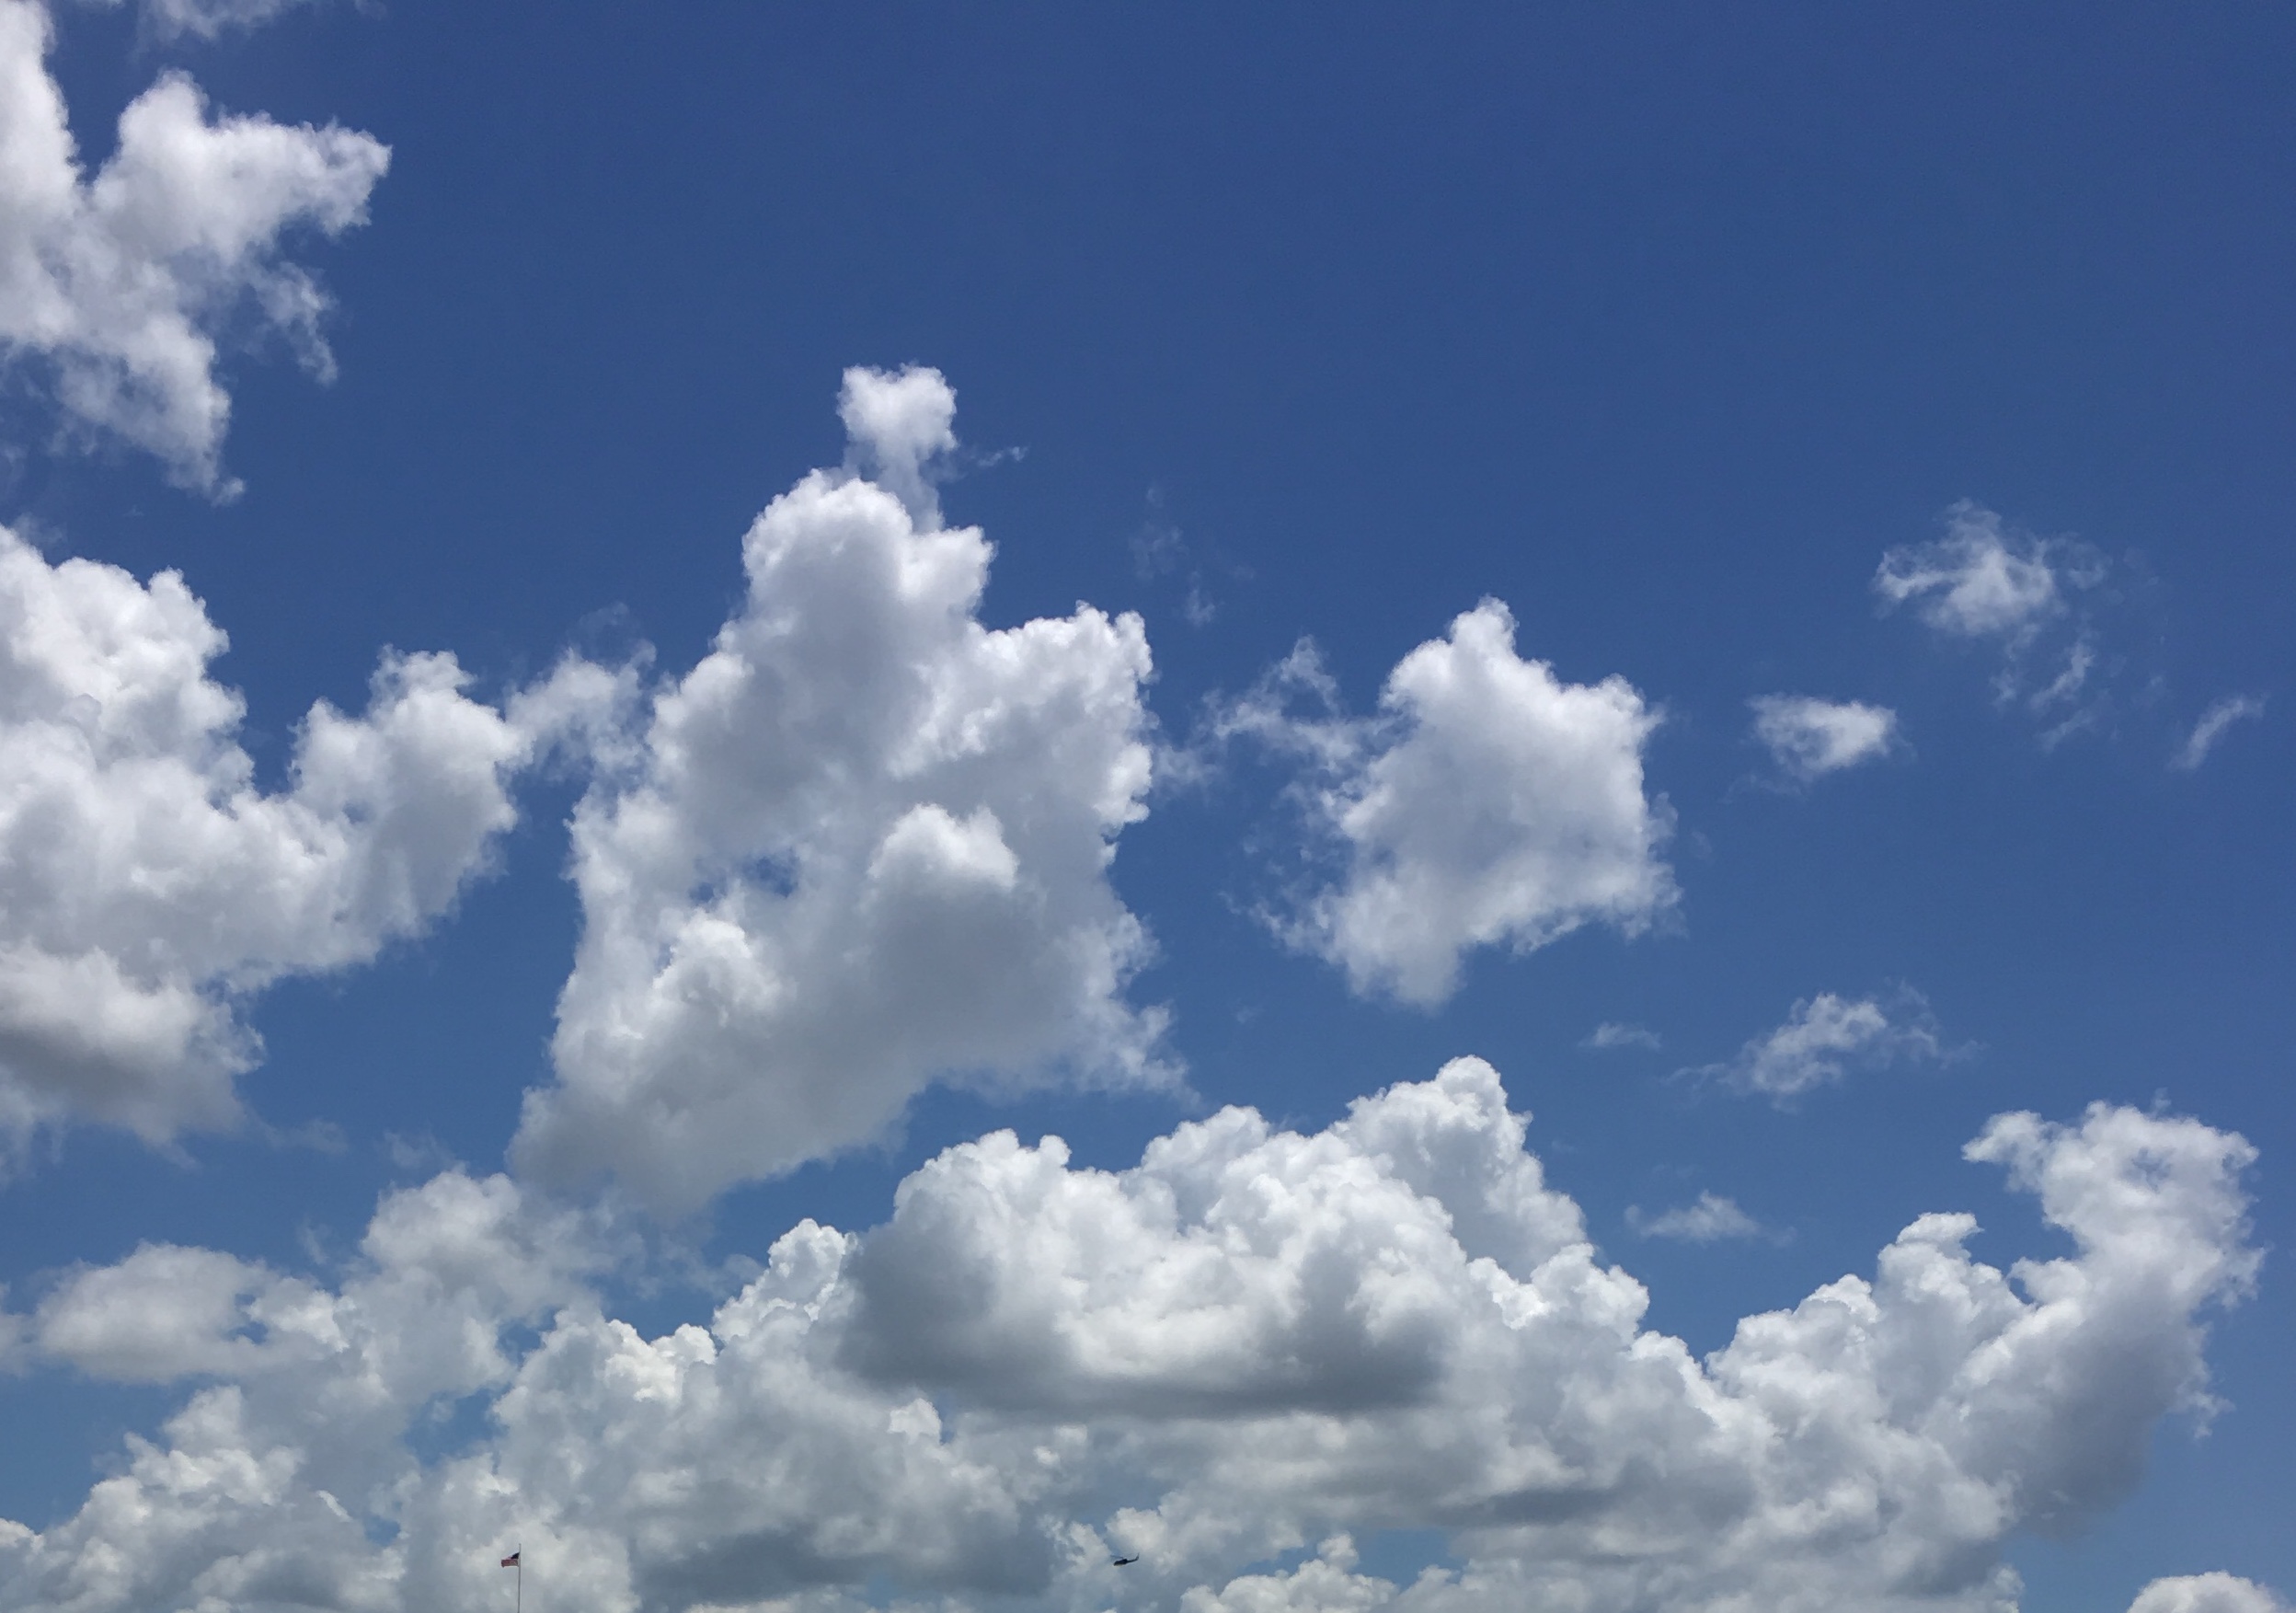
(1251, 1341)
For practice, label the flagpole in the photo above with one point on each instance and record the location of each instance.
(520, 1602)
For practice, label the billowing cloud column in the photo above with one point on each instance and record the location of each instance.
(864, 845)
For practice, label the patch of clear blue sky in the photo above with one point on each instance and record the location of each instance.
(1659, 324)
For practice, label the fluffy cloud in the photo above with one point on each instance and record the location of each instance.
(1488, 802)
(2211, 727)
(147, 885)
(1809, 738)
(248, 1502)
(862, 846)
(115, 285)
(2205, 1593)
(1711, 1219)
(1826, 1036)
(1253, 1339)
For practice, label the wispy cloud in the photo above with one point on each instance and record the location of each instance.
(1711, 1219)
(1612, 1034)
(1824, 1038)
(1986, 580)
(2213, 723)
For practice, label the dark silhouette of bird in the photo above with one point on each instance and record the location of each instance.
(1120, 1562)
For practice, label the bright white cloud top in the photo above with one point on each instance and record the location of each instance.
(1252, 1339)
(2207, 1593)
(1488, 803)
(863, 846)
(148, 886)
(735, 1309)
(1809, 738)
(114, 285)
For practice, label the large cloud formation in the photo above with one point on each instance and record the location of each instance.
(1488, 802)
(1251, 1341)
(863, 846)
(147, 884)
(117, 284)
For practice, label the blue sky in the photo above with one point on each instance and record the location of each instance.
(1300, 546)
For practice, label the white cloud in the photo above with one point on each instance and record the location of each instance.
(1983, 579)
(1987, 581)
(1489, 802)
(1251, 1340)
(204, 19)
(1809, 738)
(1712, 1219)
(2207, 1593)
(116, 285)
(1824, 1038)
(148, 887)
(863, 846)
(1611, 1034)
(2213, 723)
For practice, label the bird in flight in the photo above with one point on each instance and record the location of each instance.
(1120, 1562)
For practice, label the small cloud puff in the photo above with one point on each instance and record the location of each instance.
(1809, 738)
(1825, 1037)
(1488, 803)
(1612, 1034)
(1712, 1219)
(1981, 580)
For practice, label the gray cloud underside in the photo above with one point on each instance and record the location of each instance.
(1251, 1341)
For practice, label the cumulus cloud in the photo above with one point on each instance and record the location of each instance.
(1253, 1339)
(148, 886)
(863, 846)
(1711, 1219)
(116, 286)
(1809, 738)
(1487, 803)
(2207, 1593)
(2211, 727)
(1824, 1038)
